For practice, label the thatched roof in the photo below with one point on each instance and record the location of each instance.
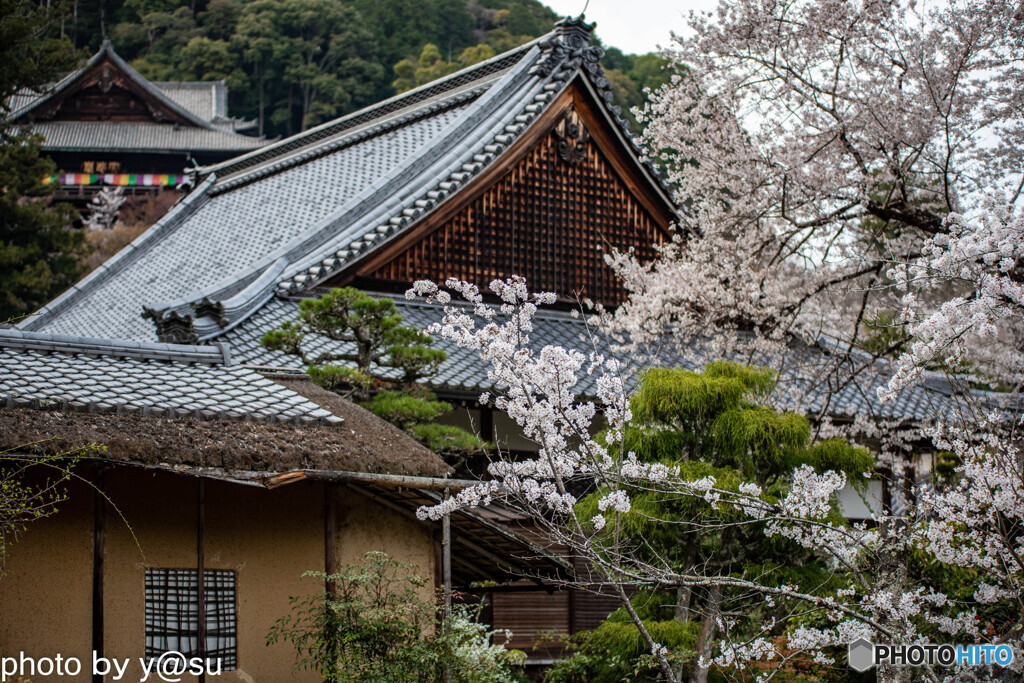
(366, 444)
(361, 443)
(168, 404)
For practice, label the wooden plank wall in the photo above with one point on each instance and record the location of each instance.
(548, 219)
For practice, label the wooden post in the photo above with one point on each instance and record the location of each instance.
(330, 537)
(446, 568)
(200, 575)
(99, 526)
(330, 561)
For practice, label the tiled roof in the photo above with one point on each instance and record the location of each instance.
(27, 105)
(201, 105)
(206, 99)
(139, 136)
(22, 98)
(286, 217)
(160, 380)
(219, 237)
(466, 374)
(282, 219)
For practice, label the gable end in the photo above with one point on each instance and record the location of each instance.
(565, 194)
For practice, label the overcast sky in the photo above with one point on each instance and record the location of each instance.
(634, 26)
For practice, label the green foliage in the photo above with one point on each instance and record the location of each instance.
(372, 325)
(39, 253)
(615, 650)
(339, 378)
(293, 63)
(34, 52)
(671, 395)
(373, 626)
(369, 628)
(403, 27)
(404, 409)
(22, 502)
(708, 424)
(381, 353)
(447, 440)
(432, 66)
(414, 413)
(839, 456)
(757, 440)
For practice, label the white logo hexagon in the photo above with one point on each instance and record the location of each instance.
(861, 654)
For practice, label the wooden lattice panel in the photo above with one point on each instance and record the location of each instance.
(551, 219)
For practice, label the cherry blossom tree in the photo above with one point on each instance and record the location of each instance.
(813, 143)
(848, 172)
(975, 521)
(851, 171)
(540, 391)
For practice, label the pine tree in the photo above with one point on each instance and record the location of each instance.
(39, 254)
(710, 424)
(383, 363)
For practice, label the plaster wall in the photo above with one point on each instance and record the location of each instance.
(268, 538)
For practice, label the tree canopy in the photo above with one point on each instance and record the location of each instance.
(291, 64)
(39, 255)
(371, 357)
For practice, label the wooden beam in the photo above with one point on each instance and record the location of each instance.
(446, 555)
(331, 558)
(497, 560)
(385, 480)
(330, 535)
(386, 503)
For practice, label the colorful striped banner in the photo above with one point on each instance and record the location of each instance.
(117, 179)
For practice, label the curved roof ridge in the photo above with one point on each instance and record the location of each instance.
(472, 75)
(217, 354)
(457, 168)
(122, 259)
(564, 53)
(107, 51)
(353, 136)
(366, 206)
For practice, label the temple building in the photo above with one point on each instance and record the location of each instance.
(216, 489)
(105, 124)
(519, 165)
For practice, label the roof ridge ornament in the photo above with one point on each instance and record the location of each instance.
(575, 32)
(171, 326)
(569, 45)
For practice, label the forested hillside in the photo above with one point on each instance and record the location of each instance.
(291, 64)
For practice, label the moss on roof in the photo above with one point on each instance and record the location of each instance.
(363, 443)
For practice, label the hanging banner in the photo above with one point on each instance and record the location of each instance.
(116, 179)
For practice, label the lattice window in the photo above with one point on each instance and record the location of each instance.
(551, 219)
(172, 611)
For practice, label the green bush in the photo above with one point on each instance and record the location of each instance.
(373, 626)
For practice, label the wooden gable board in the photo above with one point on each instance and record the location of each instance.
(107, 89)
(566, 193)
(106, 93)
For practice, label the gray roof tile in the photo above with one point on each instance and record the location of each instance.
(465, 372)
(37, 368)
(235, 229)
(130, 136)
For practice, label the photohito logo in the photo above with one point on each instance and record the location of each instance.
(863, 654)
